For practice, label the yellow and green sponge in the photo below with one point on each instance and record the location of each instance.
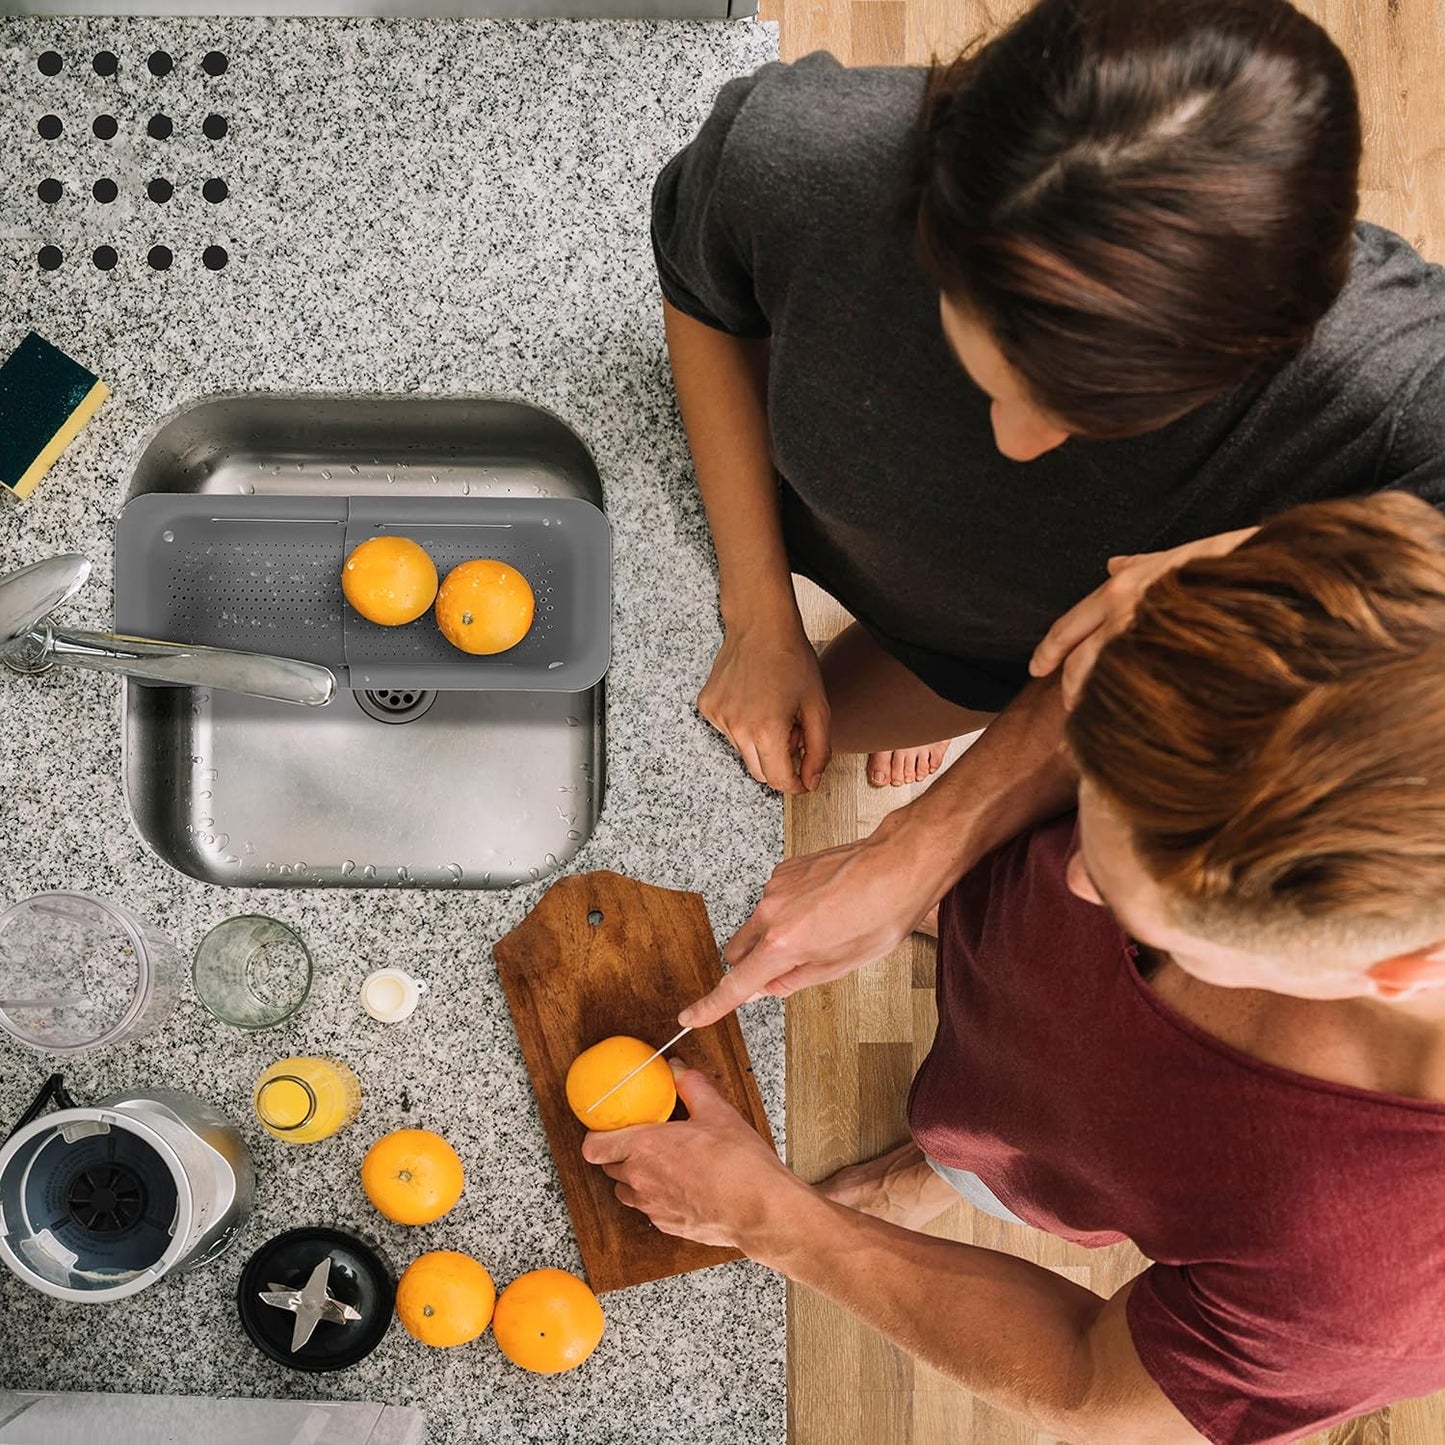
(45, 399)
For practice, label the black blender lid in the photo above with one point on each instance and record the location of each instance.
(359, 1278)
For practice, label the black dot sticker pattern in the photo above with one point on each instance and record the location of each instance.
(104, 258)
(50, 63)
(214, 257)
(49, 191)
(105, 63)
(214, 126)
(215, 63)
(160, 257)
(49, 127)
(160, 64)
(160, 190)
(159, 127)
(50, 258)
(105, 190)
(105, 127)
(215, 190)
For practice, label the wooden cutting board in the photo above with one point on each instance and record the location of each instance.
(602, 954)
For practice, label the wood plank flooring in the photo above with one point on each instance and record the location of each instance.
(853, 1046)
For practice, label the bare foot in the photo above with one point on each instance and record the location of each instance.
(900, 1187)
(906, 765)
(928, 924)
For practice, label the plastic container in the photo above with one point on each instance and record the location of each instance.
(78, 973)
(252, 972)
(303, 1100)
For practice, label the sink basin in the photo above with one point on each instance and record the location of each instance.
(392, 788)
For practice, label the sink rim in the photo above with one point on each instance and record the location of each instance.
(509, 440)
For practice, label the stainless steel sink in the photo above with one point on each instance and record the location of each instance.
(389, 789)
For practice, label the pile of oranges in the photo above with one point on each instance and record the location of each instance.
(482, 607)
(546, 1320)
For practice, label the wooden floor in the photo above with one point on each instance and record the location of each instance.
(853, 1046)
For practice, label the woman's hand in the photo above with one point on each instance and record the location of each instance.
(1076, 639)
(765, 695)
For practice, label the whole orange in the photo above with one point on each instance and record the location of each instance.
(647, 1099)
(547, 1321)
(412, 1176)
(485, 606)
(445, 1298)
(389, 580)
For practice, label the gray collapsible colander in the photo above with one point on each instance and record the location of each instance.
(263, 574)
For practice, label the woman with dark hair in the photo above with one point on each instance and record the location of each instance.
(1205, 1013)
(947, 342)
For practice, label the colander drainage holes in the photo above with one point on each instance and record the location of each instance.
(396, 704)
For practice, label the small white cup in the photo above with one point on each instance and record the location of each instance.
(389, 995)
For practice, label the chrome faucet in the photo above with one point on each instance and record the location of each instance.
(29, 644)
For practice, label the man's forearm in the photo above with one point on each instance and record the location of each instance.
(1015, 775)
(1007, 1330)
(1013, 1333)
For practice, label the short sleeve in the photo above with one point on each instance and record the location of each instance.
(703, 206)
(1416, 460)
(1238, 1358)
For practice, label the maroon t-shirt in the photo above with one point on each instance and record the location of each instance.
(1298, 1225)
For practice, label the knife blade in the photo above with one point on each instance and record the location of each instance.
(629, 1077)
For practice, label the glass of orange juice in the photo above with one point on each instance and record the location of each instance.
(301, 1100)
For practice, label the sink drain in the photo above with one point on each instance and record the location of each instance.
(396, 704)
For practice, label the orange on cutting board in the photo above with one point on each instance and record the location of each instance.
(412, 1176)
(547, 1321)
(445, 1298)
(647, 1099)
(389, 580)
(485, 607)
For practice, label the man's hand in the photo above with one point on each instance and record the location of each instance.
(765, 695)
(709, 1177)
(824, 914)
(821, 916)
(1077, 638)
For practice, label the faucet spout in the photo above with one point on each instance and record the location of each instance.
(28, 644)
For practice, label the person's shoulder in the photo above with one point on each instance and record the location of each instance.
(1385, 260)
(1392, 308)
(816, 128)
(1382, 337)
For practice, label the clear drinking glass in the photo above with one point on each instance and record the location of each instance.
(252, 971)
(77, 972)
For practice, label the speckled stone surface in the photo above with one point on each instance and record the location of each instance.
(435, 206)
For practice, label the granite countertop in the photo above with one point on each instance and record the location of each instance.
(448, 206)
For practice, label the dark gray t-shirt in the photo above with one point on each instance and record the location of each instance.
(781, 220)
